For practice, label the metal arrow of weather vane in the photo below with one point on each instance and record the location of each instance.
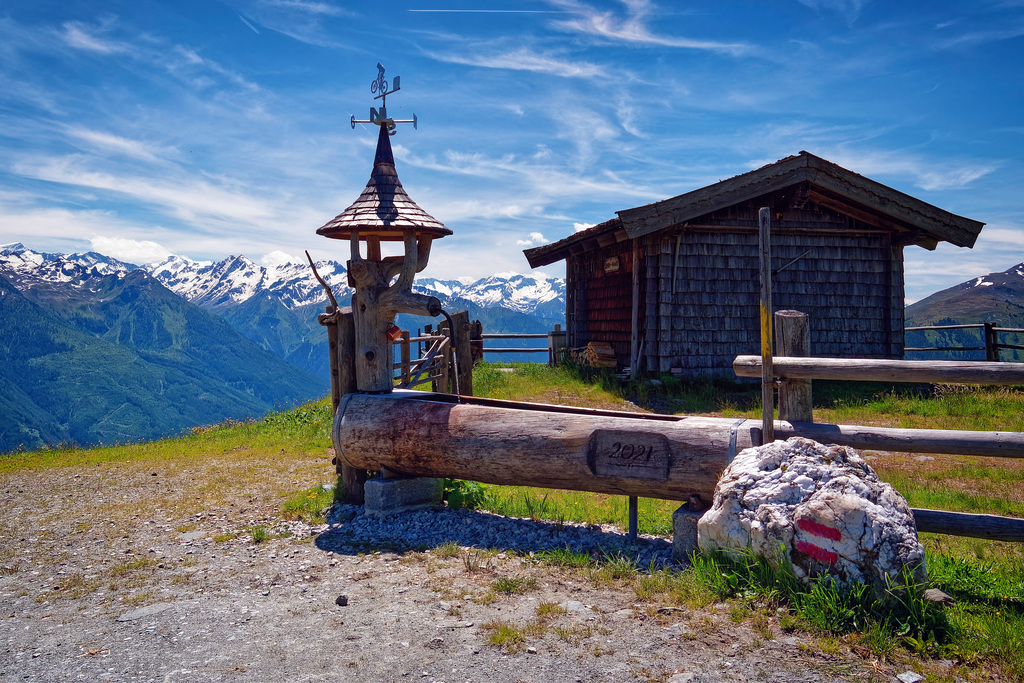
(380, 88)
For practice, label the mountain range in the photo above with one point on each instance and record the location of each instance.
(96, 350)
(994, 298)
(276, 306)
(93, 351)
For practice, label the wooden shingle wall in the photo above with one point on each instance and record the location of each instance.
(850, 285)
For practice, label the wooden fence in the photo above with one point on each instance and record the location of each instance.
(989, 339)
(434, 358)
(796, 417)
(432, 364)
(554, 349)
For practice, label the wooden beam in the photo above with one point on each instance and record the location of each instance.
(793, 338)
(532, 446)
(879, 370)
(352, 478)
(634, 355)
(963, 524)
(767, 382)
(945, 441)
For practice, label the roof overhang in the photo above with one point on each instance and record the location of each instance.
(827, 184)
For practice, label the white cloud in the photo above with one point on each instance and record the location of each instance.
(535, 238)
(632, 29)
(927, 173)
(186, 198)
(580, 227)
(278, 258)
(850, 9)
(115, 143)
(524, 59)
(129, 250)
(80, 36)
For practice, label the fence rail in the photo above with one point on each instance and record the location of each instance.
(556, 343)
(796, 415)
(989, 338)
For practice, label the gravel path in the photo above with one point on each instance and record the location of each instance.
(102, 579)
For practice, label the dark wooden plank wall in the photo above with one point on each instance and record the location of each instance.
(851, 286)
(599, 303)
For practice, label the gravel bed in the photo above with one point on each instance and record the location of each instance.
(349, 528)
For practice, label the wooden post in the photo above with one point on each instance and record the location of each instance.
(463, 352)
(764, 220)
(634, 339)
(332, 346)
(793, 339)
(345, 361)
(556, 345)
(406, 359)
(991, 342)
(633, 518)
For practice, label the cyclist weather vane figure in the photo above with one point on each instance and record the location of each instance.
(380, 87)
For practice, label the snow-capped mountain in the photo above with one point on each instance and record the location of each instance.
(28, 267)
(275, 306)
(237, 279)
(996, 297)
(522, 293)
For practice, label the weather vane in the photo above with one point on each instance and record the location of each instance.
(379, 87)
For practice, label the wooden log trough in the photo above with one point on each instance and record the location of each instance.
(524, 444)
(655, 456)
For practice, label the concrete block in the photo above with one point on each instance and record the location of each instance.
(684, 532)
(385, 497)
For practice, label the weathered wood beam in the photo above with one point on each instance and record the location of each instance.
(945, 441)
(976, 526)
(880, 370)
(532, 446)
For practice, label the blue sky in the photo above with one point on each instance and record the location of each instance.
(204, 128)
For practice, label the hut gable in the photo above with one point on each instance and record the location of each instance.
(837, 254)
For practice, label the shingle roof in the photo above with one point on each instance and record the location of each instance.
(383, 207)
(830, 185)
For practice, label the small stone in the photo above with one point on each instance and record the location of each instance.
(531, 650)
(341, 601)
(573, 606)
(685, 677)
(910, 677)
(142, 612)
(936, 595)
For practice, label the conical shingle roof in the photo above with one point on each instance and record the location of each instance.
(383, 209)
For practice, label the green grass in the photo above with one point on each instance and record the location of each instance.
(311, 505)
(985, 628)
(304, 428)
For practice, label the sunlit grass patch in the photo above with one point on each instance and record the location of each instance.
(311, 505)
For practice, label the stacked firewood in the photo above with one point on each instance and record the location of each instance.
(599, 355)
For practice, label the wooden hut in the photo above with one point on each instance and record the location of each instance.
(674, 284)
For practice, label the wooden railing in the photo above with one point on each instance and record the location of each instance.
(989, 339)
(434, 351)
(796, 416)
(555, 346)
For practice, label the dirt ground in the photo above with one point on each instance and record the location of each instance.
(148, 572)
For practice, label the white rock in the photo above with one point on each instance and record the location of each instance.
(821, 508)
